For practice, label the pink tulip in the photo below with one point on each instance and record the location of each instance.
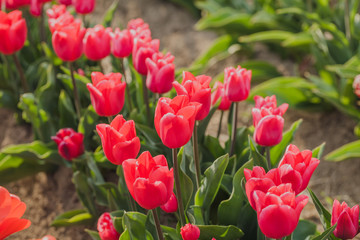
(122, 43)
(237, 83)
(97, 43)
(347, 220)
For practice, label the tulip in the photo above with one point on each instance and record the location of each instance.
(11, 211)
(58, 19)
(297, 167)
(106, 228)
(237, 83)
(65, 2)
(198, 90)
(139, 29)
(97, 43)
(84, 6)
(347, 220)
(161, 72)
(142, 50)
(356, 86)
(14, 4)
(70, 143)
(268, 131)
(175, 119)
(171, 205)
(190, 232)
(149, 180)
(56, 11)
(270, 103)
(278, 210)
(68, 41)
(36, 7)
(13, 32)
(107, 93)
(220, 93)
(122, 43)
(119, 140)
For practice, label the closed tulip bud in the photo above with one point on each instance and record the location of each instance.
(356, 86)
(347, 220)
(122, 43)
(14, 4)
(161, 73)
(190, 232)
(278, 210)
(171, 205)
(65, 2)
(68, 41)
(219, 93)
(56, 11)
(237, 83)
(142, 50)
(97, 43)
(107, 93)
(119, 140)
(198, 90)
(84, 6)
(149, 180)
(70, 143)
(106, 229)
(13, 32)
(268, 131)
(36, 7)
(62, 21)
(175, 119)
(11, 211)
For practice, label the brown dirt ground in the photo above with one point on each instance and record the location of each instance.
(47, 195)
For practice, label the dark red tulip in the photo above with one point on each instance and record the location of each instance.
(84, 6)
(70, 143)
(347, 220)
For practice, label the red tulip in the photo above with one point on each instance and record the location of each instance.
(11, 211)
(97, 43)
(268, 131)
(14, 4)
(68, 41)
(36, 7)
(70, 143)
(59, 18)
(107, 93)
(161, 72)
(139, 29)
(190, 232)
(198, 90)
(119, 140)
(122, 43)
(237, 83)
(142, 50)
(297, 167)
(220, 93)
(106, 228)
(278, 210)
(270, 103)
(65, 2)
(149, 180)
(84, 6)
(56, 11)
(347, 220)
(175, 119)
(356, 86)
(13, 32)
(171, 205)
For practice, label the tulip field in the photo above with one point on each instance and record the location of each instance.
(179, 120)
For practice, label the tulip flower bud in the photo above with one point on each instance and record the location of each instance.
(356, 86)
(84, 6)
(119, 140)
(97, 43)
(14, 4)
(237, 83)
(149, 180)
(190, 232)
(268, 132)
(56, 11)
(11, 211)
(65, 2)
(171, 205)
(220, 93)
(347, 220)
(13, 32)
(142, 50)
(106, 228)
(122, 43)
(70, 143)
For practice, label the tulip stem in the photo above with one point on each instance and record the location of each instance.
(101, 67)
(234, 126)
(110, 119)
(157, 224)
(76, 96)
(267, 149)
(146, 99)
(127, 83)
(220, 123)
(196, 156)
(177, 187)
(21, 73)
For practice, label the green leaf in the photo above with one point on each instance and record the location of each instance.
(204, 124)
(109, 15)
(84, 192)
(347, 151)
(266, 36)
(67, 112)
(8, 99)
(93, 234)
(261, 70)
(318, 151)
(213, 146)
(304, 229)
(324, 214)
(186, 184)
(326, 234)
(135, 225)
(170, 233)
(278, 150)
(87, 125)
(72, 218)
(259, 160)
(219, 232)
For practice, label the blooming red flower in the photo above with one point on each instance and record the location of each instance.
(122, 43)
(107, 93)
(267, 106)
(175, 119)
(84, 6)
(59, 18)
(161, 72)
(70, 143)
(119, 140)
(56, 11)
(139, 29)
(278, 210)
(14, 4)
(268, 131)
(347, 220)
(237, 83)
(36, 7)
(220, 93)
(97, 43)
(198, 90)
(171, 205)
(13, 32)
(149, 180)
(68, 41)
(65, 2)
(106, 228)
(143, 49)
(11, 211)
(190, 232)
